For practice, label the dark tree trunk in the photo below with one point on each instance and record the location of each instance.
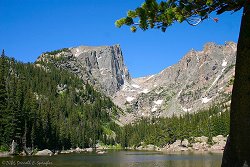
(237, 150)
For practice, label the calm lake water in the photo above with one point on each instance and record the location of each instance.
(117, 159)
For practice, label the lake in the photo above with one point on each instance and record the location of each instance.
(117, 159)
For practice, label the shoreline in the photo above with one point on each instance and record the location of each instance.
(104, 151)
(198, 145)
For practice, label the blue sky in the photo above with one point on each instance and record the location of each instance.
(30, 27)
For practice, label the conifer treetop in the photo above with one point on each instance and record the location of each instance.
(161, 14)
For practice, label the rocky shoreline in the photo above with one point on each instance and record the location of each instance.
(47, 152)
(197, 145)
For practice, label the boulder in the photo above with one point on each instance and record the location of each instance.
(218, 146)
(176, 143)
(218, 139)
(44, 153)
(200, 146)
(23, 153)
(139, 148)
(184, 149)
(158, 149)
(202, 139)
(185, 143)
(175, 147)
(89, 149)
(101, 147)
(78, 150)
(4, 154)
(150, 147)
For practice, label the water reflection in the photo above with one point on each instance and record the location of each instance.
(121, 159)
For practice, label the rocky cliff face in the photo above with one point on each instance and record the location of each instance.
(102, 66)
(199, 79)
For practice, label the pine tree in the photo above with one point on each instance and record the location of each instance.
(11, 110)
(19, 112)
(3, 96)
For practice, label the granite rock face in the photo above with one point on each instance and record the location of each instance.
(199, 79)
(101, 66)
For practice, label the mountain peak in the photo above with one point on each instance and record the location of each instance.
(102, 66)
(195, 82)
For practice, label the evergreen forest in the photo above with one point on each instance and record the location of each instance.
(42, 106)
(161, 131)
(45, 107)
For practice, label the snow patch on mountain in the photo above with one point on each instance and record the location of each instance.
(135, 86)
(145, 91)
(150, 77)
(205, 100)
(224, 63)
(154, 108)
(186, 109)
(158, 102)
(129, 99)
